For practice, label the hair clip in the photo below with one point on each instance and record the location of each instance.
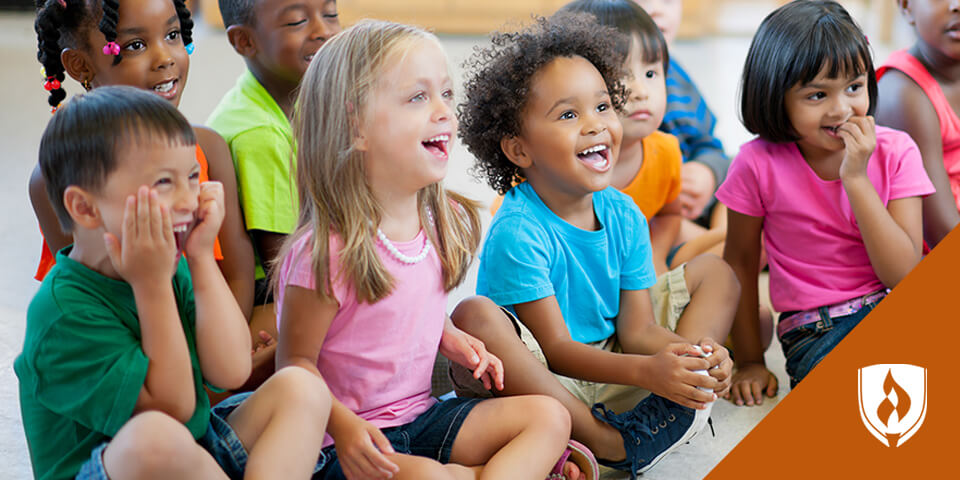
(51, 84)
(190, 48)
(63, 3)
(111, 48)
(54, 109)
(867, 38)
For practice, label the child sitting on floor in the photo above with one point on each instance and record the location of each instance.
(135, 317)
(570, 256)
(363, 282)
(919, 93)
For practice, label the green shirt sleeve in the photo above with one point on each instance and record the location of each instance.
(92, 368)
(266, 185)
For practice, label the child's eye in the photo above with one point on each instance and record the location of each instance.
(651, 73)
(568, 115)
(194, 176)
(174, 35)
(134, 46)
(162, 181)
(603, 107)
(855, 87)
(420, 96)
(297, 23)
(448, 94)
(331, 16)
(817, 96)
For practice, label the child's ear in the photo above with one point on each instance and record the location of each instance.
(242, 39)
(513, 148)
(79, 204)
(77, 64)
(906, 11)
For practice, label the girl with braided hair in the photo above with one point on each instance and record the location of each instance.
(145, 44)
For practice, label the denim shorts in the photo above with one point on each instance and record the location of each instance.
(806, 345)
(431, 435)
(219, 440)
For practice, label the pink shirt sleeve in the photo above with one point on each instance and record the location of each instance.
(741, 189)
(910, 179)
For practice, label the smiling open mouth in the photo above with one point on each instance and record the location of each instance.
(596, 157)
(165, 87)
(180, 234)
(437, 145)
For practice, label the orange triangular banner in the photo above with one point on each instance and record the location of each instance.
(821, 429)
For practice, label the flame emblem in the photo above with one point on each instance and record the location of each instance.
(893, 401)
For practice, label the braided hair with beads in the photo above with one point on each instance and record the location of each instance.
(62, 24)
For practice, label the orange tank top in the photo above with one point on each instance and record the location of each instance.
(48, 259)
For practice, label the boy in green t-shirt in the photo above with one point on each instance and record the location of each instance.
(277, 40)
(136, 317)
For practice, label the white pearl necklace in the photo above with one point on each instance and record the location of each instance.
(400, 255)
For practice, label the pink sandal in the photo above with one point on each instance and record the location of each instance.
(580, 455)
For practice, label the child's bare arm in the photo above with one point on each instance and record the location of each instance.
(893, 235)
(237, 264)
(667, 373)
(223, 340)
(903, 105)
(145, 258)
(46, 217)
(305, 320)
(742, 252)
(664, 229)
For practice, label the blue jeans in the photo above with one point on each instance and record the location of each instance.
(219, 440)
(430, 435)
(806, 345)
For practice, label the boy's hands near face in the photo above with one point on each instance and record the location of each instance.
(210, 213)
(464, 349)
(673, 376)
(147, 251)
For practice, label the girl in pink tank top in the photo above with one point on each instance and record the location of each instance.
(914, 85)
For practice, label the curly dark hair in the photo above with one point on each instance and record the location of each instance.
(62, 25)
(498, 83)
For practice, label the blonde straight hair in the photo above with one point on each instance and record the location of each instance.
(334, 195)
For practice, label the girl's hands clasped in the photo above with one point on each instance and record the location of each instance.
(859, 136)
(464, 349)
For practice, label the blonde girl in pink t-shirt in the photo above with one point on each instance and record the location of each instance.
(838, 200)
(362, 283)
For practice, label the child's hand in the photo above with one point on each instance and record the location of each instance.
(859, 136)
(464, 349)
(721, 367)
(210, 212)
(751, 382)
(361, 450)
(697, 188)
(673, 376)
(147, 252)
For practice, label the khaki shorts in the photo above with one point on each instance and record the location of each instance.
(669, 296)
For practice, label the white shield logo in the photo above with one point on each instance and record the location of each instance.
(893, 401)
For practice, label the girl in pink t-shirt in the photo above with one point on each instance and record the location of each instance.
(919, 93)
(363, 281)
(837, 199)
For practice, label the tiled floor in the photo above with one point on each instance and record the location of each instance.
(713, 62)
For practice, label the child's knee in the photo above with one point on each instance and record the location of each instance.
(476, 313)
(548, 412)
(710, 269)
(298, 387)
(146, 444)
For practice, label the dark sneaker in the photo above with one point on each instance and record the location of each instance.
(651, 430)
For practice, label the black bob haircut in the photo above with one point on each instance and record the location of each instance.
(631, 20)
(498, 80)
(80, 144)
(791, 46)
